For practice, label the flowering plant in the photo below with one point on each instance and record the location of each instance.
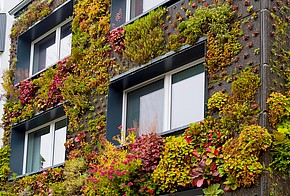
(113, 172)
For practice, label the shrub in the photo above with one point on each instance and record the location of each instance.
(113, 172)
(241, 157)
(174, 168)
(149, 148)
(144, 39)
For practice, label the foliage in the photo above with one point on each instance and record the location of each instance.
(74, 178)
(214, 22)
(241, 156)
(279, 107)
(4, 163)
(149, 148)
(145, 36)
(90, 77)
(113, 173)
(217, 101)
(234, 110)
(38, 183)
(213, 190)
(174, 168)
(148, 166)
(27, 91)
(245, 87)
(281, 152)
(117, 40)
(37, 10)
(207, 144)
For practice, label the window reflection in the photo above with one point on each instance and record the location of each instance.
(187, 97)
(45, 53)
(145, 108)
(65, 41)
(38, 152)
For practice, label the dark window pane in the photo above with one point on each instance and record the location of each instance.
(45, 53)
(118, 15)
(39, 150)
(145, 108)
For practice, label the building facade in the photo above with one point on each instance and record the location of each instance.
(202, 84)
(6, 24)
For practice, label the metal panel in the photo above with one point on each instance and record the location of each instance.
(2, 31)
(17, 149)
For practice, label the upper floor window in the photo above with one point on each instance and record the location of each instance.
(45, 43)
(126, 10)
(50, 48)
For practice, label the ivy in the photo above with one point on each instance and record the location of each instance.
(4, 164)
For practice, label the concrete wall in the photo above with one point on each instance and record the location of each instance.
(5, 6)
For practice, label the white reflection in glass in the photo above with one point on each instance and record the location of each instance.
(151, 112)
(59, 148)
(65, 41)
(45, 53)
(187, 101)
(39, 150)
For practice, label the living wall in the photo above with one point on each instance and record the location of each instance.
(221, 152)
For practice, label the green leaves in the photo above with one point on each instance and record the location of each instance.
(213, 190)
(241, 156)
(144, 39)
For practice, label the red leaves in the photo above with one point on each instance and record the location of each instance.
(117, 39)
(27, 91)
(199, 183)
(148, 147)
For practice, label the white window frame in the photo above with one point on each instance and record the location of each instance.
(167, 94)
(52, 134)
(56, 29)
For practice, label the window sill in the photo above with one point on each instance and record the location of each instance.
(36, 172)
(37, 75)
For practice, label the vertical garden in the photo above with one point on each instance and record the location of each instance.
(241, 147)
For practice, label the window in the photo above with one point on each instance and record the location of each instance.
(126, 10)
(137, 7)
(168, 102)
(45, 43)
(165, 94)
(49, 49)
(44, 146)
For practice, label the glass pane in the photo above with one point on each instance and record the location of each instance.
(187, 104)
(59, 140)
(148, 4)
(118, 13)
(140, 6)
(45, 53)
(145, 108)
(39, 150)
(65, 41)
(136, 8)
